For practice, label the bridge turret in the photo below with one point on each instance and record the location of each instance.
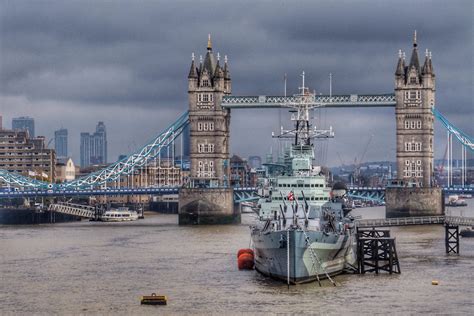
(192, 76)
(219, 77)
(427, 72)
(400, 71)
(227, 81)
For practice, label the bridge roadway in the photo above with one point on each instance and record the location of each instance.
(378, 193)
(240, 194)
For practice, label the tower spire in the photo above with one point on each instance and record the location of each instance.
(414, 61)
(209, 43)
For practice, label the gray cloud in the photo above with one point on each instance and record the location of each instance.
(74, 63)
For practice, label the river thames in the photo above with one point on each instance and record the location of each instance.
(104, 268)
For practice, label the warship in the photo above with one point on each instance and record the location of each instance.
(304, 231)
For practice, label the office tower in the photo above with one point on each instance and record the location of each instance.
(94, 147)
(24, 123)
(60, 142)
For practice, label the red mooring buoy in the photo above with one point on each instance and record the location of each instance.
(245, 260)
(245, 250)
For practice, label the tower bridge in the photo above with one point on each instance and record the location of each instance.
(208, 197)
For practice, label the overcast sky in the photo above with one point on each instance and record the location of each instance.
(73, 63)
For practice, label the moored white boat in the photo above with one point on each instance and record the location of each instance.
(455, 200)
(120, 214)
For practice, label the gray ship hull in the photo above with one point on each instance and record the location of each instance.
(331, 254)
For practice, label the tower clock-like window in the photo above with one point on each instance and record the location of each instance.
(205, 169)
(205, 126)
(205, 97)
(413, 146)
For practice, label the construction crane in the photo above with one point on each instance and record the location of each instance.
(357, 162)
(441, 166)
(340, 159)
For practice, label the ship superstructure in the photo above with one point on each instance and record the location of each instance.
(303, 233)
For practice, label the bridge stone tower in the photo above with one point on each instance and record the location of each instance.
(207, 199)
(415, 97)
(209, 121)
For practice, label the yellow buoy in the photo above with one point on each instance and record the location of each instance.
(154, 299)
(434, 282)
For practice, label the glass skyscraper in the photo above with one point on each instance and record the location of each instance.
(94, 147)
(24, 123)
(60, 143)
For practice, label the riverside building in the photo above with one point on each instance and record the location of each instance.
(27, 156)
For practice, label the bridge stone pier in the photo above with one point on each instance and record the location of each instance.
(207, 198)
(405, 202)
(415, 193)
(206, 206)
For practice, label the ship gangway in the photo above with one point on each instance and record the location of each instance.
(451, 225)
(79, 210)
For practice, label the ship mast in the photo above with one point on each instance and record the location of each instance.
(301, 104)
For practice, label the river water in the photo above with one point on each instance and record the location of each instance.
(104, 268)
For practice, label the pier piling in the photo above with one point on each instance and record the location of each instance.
(451, 238)
(376, 252)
